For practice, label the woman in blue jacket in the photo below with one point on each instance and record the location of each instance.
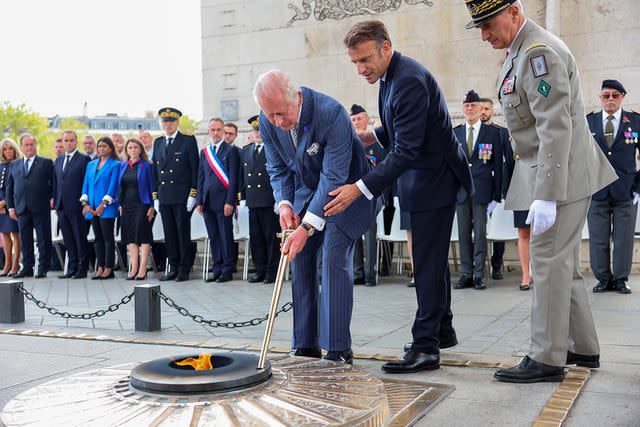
(135, 189)
(98, 199)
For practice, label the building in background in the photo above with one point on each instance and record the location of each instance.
(112, 122)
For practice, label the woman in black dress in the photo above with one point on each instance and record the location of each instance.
(135, 187)
(9, 152)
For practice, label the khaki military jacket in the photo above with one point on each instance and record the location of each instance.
(541, 96)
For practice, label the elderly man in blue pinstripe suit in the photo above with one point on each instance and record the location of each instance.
(312, 149)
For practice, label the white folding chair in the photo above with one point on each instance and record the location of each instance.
(500, 228)
(118, 239)
(56, 240)
(199, 234)
(395, 234)
(455, 238)
(158, 237)
(241, 233)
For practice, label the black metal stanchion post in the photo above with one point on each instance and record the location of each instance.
(11, 302)
(147, 307)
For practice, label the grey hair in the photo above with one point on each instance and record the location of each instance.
(275, 82)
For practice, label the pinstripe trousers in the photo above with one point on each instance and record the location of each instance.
(322, 318)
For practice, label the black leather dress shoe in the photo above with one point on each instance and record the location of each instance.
(69, 275)
(345, 356)
(446, 341)
(40, 275)
(269, 279)
(212, 277)
(588, 361)
(463, 282)
(225, 277)
(530, 371)
(182, 277)
(603, 286)
(496, 274)
(308, 352)
(22, 273)
(622, 287)
(256, 278)
(169, 276)
(370, 283)
(413, 361)
(359, 281)
(479, 283)
(80, 275)
(384, 272)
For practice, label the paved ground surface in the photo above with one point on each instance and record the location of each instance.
(492, 325)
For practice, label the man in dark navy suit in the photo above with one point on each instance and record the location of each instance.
(616, 131)
(430, 165)
(175, 157)
(217, 190)
(483, 146)
(256, 191)
(69, 174)
(29, 198)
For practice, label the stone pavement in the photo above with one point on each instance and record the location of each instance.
(492, 326)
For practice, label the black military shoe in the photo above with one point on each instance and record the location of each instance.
(530, 371)
(359, 281)
(413, 361)
(308, 352)
(621, 286)
(269, 279)
(256, 278)
(345, 356)
(225, 277)
(603, 286)
(23, 273)
(182, 277)
(169, 276)
(68, 275)
(446, 341)
(588, 361)
(496, 274)
(463, 282)
(213, 277)
(479, 283)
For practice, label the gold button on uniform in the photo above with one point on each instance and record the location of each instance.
(259, 173)
(258, 185)
(609, 153)
(249, 186)
(249, 174)
(516, 156)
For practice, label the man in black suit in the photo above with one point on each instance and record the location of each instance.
(431, 166)
(255, 189)
(29, 198)
(230, 135)
(217, 192)
(69, 171)
(175, 157)
(483, 146)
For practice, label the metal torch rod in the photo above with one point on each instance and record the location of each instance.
(275, 299)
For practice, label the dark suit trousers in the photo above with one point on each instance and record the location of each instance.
(473, 251)
(104, 243)
(498, 255)
(336, 302)
(220, 232)
(431, 231)
(176, 222)
(603, 214)
(74, 233)
(41, 222)
(263, 227)
(364, 265)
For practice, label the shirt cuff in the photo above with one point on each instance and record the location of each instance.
(285, 202)
(84, 198)
(107, 198)
(363, 188)
(314, 220)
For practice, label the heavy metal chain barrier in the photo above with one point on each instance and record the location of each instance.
(66, 315)
(216, 324)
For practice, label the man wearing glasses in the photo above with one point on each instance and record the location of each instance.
(616, 132)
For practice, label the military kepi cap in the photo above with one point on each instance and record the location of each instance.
(169, 114)
(484, 10)
(254, 121)
(471, 96)
(614, 84)
(356, 109)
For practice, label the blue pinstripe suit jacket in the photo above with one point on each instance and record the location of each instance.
(328, 155)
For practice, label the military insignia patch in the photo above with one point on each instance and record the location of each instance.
(539, 66)
(544, 88)
(508, 85)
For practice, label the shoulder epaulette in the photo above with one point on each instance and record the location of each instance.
(534, 45)
(496, 126)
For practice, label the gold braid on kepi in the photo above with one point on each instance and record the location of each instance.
(484, 10)
(193, 192)
(154, 195)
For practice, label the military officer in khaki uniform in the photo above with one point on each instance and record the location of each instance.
(558, 168)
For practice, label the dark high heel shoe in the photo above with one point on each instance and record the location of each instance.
(3, 274)
(131, 278)
(96, 277)
(111, 275)
(141, 278)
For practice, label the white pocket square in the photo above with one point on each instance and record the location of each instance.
(313, 149)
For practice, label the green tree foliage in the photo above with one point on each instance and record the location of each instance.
(18, 119)
(188, 125)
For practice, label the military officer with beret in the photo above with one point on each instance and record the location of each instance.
(616, 132)
(558, 168)
(175, 157)
(483, 146)
(255, 189)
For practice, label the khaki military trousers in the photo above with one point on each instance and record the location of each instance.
(561, 316)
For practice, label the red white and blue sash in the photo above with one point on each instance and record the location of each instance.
(216, 165)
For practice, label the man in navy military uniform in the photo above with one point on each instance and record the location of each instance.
(175, 157)
(255, 189)
(217, 192)
(483, 145)
(616, 131)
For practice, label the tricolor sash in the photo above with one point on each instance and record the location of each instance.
(216, 165)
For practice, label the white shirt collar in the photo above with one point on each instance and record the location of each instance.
(71, 154)
(384, 76)
(217, 144)
(476, 127)
(172, 136)
(616, 116)
(517, 34)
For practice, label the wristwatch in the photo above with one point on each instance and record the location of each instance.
(309, 229)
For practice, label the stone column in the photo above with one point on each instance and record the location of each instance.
(552, 17)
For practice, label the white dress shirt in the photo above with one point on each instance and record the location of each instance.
(616, 121)
(476, 131)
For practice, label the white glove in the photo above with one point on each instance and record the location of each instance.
(491, 206)
(191, 202)
(542, 215)
(636, 197)
(156, 205)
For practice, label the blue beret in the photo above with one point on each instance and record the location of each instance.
(613, 84)
(471, 96)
